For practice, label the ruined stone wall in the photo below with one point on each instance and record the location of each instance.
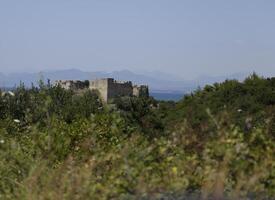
(141, 91)
(135, 91)
(116, 89)
(72, 84)
(64, 84)
(108, 88)
(102, 86)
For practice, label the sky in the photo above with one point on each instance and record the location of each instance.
(188, 38)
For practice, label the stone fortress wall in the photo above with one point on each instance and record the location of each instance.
(101, 86)
(140, 90)
(108, 88)
(72, 84)
(116, 88)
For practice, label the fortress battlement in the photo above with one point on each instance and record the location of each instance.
(108, 88)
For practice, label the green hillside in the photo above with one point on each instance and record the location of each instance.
(217, 142)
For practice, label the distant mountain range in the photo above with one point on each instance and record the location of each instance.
(157, 81)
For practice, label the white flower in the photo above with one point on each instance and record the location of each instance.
(16, 120)
(77, 148)
(239, 110)
(11, 93)
(2, 141)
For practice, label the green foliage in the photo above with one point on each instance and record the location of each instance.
(140, 111)
(217, 142)
(250, 99)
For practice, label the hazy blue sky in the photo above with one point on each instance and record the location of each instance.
(188, 38)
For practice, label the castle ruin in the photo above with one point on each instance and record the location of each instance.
(72, 84)
(108, 88)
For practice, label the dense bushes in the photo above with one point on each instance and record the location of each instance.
(249, 100)
(218, 141)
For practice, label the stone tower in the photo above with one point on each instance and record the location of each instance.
(109, 88)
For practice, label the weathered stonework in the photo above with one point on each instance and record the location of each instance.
(108, 88)
(141, 90)
(72, 84)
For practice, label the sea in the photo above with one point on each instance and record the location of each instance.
(168, 96)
